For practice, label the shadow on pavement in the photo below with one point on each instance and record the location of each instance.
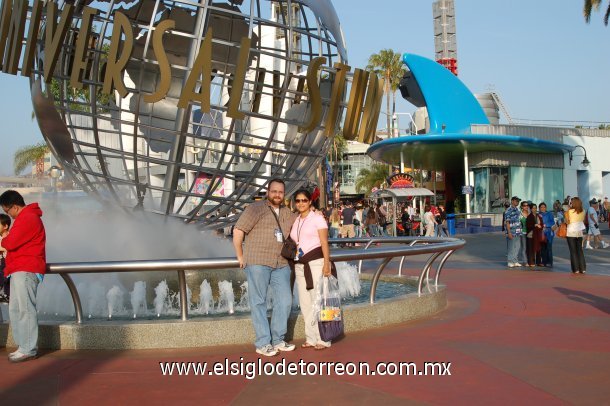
(598, 302)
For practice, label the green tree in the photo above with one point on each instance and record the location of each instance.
(29, 155)
(388, 65)
(367, 179)
(591, 5)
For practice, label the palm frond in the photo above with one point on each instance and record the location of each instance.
(28, 155)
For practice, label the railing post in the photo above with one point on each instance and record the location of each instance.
(184, 305)
(78, 308)
(372, 240)
(375, 279)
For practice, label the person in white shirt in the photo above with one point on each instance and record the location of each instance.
(594, 232)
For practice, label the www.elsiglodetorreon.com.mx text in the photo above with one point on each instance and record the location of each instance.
(252, 369)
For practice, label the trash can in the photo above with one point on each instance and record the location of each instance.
(451, 223)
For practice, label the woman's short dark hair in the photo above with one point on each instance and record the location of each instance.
(305, 192)
(542, 204)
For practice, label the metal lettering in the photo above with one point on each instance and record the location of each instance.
(32, 41)
(203, 68)
(79, 65)
(313, 88)
(336, 97)
(55, 34)
(15, 37)
(240, 77)
(165, 72)
(354, 106)
(114, 67)
(5, 22)
(374, 94)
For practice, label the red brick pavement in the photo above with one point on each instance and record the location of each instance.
(511, 336)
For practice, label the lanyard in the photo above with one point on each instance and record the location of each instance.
(299, 227)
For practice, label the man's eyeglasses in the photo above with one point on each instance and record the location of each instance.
(7, 209)
(301, 200)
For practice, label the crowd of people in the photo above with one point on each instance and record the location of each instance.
(366, 219)
(530, 230)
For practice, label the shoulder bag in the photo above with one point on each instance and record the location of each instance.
(289, 247)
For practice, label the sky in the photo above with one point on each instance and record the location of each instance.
(540, 56)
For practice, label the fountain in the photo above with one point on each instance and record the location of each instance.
(161, 294)
(138, 298)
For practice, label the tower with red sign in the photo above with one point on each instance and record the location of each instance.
(445, 44)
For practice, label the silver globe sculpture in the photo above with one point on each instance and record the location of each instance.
(184, 161)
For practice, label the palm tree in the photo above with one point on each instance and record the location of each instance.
(29, 155)
(594, 4)
(367, 179)
(388, 65)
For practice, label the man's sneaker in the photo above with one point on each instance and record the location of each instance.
(283, 346)
(267, 351)
(588, 247)
(18, 356)
(517, 264)
(604, 245)
(511, 265)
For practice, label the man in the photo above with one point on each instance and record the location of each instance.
(265, 267)
(347, 215)
(594, 226)
(513, 231)
(25, 266)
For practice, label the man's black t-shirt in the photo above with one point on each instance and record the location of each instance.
(348, 216)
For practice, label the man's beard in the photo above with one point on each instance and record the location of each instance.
(272, 200)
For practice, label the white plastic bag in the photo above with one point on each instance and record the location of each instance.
(327, 306)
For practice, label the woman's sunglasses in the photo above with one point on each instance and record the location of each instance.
(301, 200)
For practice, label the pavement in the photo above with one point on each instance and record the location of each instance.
(507, 335)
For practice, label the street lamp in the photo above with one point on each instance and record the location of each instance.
(54, 173)
(585, 161)
(395, 117)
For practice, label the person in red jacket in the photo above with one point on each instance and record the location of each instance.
(25, 266)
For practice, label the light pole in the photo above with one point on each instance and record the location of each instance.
(585, 162)
(54, 173)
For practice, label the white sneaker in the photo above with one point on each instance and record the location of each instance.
(267, 351)
(511, 265)
(588, 247)
(283, 346)
(604, 245)
(18, 356)
(517, 264)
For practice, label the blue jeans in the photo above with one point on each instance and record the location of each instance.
(523, 249)
(22, 311)
(260, 278)
(514, 248)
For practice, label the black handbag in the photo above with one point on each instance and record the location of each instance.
(289, 247)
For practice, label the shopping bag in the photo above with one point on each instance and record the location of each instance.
(327, 308)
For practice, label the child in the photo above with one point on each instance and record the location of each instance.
(5, 223)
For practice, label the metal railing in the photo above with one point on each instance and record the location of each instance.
(473, 218)
(402, 247)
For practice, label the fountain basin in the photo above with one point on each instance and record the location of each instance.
(226, 330)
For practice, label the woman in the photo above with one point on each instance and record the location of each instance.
(525, 212)
(574, 218)
(371, 223)
(429, 221)
(311, 235)
(358, 221)
(549, 234)
(335, 221)
(534, 227)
